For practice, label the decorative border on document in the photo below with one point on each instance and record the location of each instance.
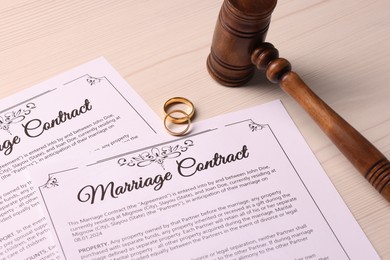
(252, 126)
(18, 114)
(93, 81)
(7, 118)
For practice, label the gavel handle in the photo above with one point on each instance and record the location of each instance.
(367, 159)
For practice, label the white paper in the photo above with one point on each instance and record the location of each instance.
(242, 186)
(85, 109)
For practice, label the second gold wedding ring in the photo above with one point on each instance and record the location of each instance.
(177, 101)
(180, 132)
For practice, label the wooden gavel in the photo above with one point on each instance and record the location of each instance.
(238, 47)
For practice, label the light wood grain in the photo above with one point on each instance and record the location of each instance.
(340, 48)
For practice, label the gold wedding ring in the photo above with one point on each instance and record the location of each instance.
(175, 101)
(169, 117)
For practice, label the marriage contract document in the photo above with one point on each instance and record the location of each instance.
(241, 186)
(85, 109)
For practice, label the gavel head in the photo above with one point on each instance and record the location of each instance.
(241, 26)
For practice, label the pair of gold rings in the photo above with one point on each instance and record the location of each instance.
(172, 117)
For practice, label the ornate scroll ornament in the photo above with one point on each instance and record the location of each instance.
(93, 80)
(255, 126)
(51, 183)
(15, 116)
(156, 155)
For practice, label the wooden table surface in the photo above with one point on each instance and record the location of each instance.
(340, 48)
